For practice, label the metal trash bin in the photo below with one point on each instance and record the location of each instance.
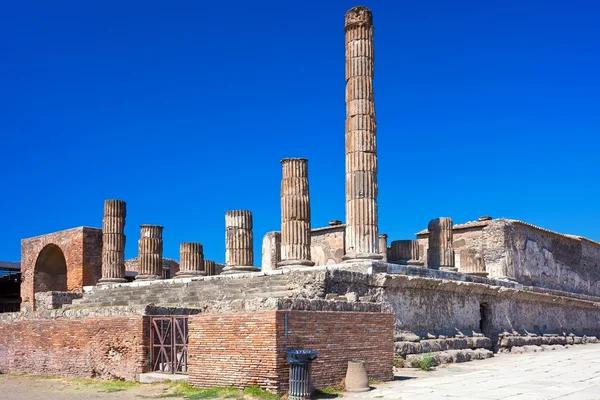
(300, 363)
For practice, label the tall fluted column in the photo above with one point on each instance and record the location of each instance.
(150, 248)
(239, 242)
(113, 242)
(209, 267)
(440, 253)
(191, 260)
(295, 214)
(361, 150)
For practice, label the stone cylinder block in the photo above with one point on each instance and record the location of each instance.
(440, 253)
(191, 260)
(295, 214)
(404, 251)
(150, 249)
(383, 247)
(209, 267)
(113, 242)
(239, 242)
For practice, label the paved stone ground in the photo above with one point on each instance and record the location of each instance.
(572, 373)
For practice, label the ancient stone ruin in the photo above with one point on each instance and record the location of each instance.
(459, 292)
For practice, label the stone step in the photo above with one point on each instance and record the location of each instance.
(447, 357)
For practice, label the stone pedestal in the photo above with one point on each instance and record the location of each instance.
(405, 252)
(383, 247)
(440, 253)
(295, 214)
(113, 242)
(209, 267)
(271, 251)
(239, 255)
(361, 152)
(472, 263)
(150, 248)
(191, 260)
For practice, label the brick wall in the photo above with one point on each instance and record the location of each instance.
(243, 349)
(82, 251)
(101, 347)
(338, 337)
(233, 349)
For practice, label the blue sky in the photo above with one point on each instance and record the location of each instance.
(184, 109)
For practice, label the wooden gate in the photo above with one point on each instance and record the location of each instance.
(169, 344)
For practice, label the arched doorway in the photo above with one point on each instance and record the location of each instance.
(50, 270)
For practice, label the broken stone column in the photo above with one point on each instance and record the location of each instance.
(383, 247)
(191, 260)
(440, 253)
(150, 248)
(295, 214)
(361, 153)
(405, 252)
(472, 263)
(271, 251)
(239, 255)
(209, 267)
(113, 242)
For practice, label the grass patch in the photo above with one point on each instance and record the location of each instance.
(425, 363)
(182, 389)
(102, 386)
(399, 362)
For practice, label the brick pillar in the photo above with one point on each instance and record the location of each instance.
(383, 247)
(295, 214)
(405, 252)
(113, 242)
(361, 151)
(209, 267)
(239, 256)
(150, 248)
(191, 260)
(440, 253)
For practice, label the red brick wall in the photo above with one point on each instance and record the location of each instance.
(248, 348)
(233, 349)
(101, 347)
(82, 249)
(338, 337)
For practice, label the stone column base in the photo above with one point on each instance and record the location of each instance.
(294, 264)
(189, 274)
(238, 269)
(148, 277)
(449, 269)
(361, 257)
(108, 281)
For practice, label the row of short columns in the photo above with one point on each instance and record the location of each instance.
(150, 249)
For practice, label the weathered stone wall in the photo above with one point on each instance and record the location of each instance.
(242, 349)
(82, 251)
(530, 255)
(54, 300)
(101, 347)
(327, 245)
(546, 259)
(428, 307)
(326, 248)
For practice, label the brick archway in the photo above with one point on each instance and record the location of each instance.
(60, 261)
(50, 271)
